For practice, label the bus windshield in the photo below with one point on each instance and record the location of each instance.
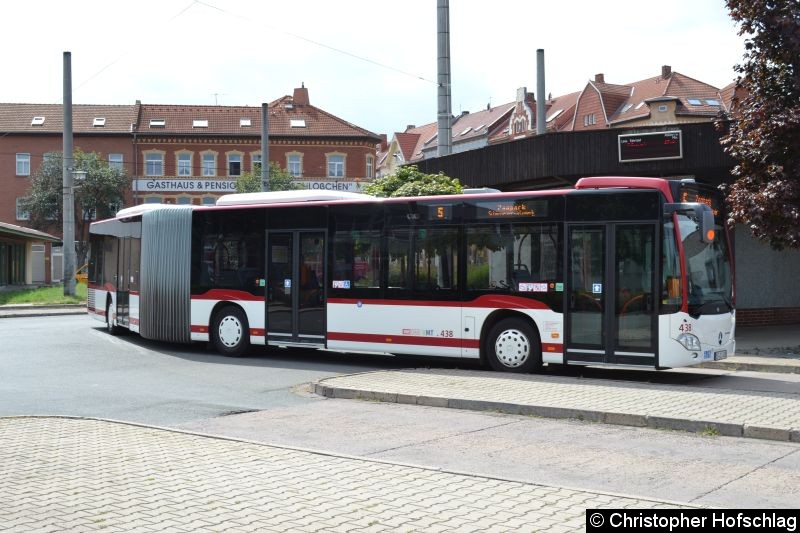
(708, 268)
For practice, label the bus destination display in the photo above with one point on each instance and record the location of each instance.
(512, 209)
(650, 146)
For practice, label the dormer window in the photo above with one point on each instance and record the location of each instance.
(554, 115)
(712, 102)
(297, 123)
(245, 123)
(200, 123)
(694, 101)
(466, 130)
(627, 106)
(37, 121)
(158, 122)
(99, 122)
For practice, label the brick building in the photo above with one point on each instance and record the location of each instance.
(182, 153)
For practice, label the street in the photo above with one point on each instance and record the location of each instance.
(70, 366)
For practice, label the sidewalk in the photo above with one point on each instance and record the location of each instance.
(61, 474)
(763, 415)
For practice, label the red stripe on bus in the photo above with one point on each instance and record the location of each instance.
(134, 293)
(227, 294)
(403, 339)
(105, 287)
(489, 301)
(199, 329)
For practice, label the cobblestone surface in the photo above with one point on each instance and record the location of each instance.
(769, 415)
(60, 474)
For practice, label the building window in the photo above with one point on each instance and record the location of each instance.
(22, 213)
(335, 165)
(184, 200)
(234, 165)
(184, 164)
(589, 120)
(209, 164)
(23, 164)
(370, 167)
(154, 164)
(209, 200)
(294, 164)
(662, 108)
(115, 161)
(256, 159)
(152, 200)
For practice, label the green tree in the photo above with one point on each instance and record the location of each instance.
(279, 180)
(764, 136)
(410, 181)
(99, 195)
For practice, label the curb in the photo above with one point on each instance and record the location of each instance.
(752, 367)
(711, 427)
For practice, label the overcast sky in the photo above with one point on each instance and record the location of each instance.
(244, 52)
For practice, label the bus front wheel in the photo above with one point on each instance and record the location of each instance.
(230, 331)
(513, 346)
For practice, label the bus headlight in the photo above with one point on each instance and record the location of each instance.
(689, 341)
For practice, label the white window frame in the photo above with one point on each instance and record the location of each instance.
(370, 166)
(150, 169)
(20, 213)
(209, 171)
(294, 159)
(183, 167)
(116, 161)
(230, 156)
(339, 167)
(23, 164)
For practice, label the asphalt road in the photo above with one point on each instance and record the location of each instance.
(69, 365)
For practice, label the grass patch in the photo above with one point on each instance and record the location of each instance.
(43, 296)
(709, 431)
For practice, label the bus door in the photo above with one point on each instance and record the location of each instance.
(122, 279)
(296, 287)
(611, 313)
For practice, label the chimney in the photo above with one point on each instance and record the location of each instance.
(300, 96)
(666, 71)
(599, 78)
(521, 93)
(410, 127)
(384, 142)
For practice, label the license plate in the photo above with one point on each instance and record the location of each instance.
(720, 354)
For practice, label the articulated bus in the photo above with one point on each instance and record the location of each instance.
(617, 271)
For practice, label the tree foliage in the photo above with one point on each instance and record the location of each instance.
(764, 136)
(410, 181)
(99, 195)
(279, 180)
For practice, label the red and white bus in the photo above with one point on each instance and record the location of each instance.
(618, 271)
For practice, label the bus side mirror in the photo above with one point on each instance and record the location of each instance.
(702, 213)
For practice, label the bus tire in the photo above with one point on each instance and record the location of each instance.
(230, 332)
(111, 323)
(513, 345)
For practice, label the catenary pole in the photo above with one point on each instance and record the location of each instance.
(68, 164)
(445, 114)
(265, 147)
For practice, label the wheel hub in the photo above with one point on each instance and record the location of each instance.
(230, 331)
(512, 348)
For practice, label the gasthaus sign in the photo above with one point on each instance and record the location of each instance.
(170, 185)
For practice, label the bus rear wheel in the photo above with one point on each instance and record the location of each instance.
(513, 346)
(230, 332)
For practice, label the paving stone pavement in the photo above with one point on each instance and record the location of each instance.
(766, 415)
(70, 474)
